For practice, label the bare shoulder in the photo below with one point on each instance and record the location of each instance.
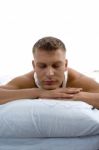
(20, 82)
(73, 74)
(79, 80)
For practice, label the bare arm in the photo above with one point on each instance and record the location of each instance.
(15, 94)
(21, 87)
(7, 95)
(90, 93)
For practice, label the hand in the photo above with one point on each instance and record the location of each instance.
(62, 93)
(80, 96)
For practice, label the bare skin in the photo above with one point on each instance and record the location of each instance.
(50, 73)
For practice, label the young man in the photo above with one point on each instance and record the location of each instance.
(51, 78)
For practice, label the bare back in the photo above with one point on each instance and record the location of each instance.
(21, 82)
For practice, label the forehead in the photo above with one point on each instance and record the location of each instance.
(44, 56)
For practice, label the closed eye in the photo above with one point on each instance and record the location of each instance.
(56, 66)
(42, 66)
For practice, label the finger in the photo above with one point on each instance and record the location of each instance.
(63, 95)
(73, 90)
(69, 88)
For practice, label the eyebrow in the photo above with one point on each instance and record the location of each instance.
(56, 62)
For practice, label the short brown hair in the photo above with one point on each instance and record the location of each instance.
(49, 44)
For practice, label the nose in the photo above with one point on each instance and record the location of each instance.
(50, 71)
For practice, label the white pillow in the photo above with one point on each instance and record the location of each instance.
(48, 118)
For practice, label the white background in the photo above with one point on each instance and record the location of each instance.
(23, 22)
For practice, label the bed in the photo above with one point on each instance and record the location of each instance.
(44, 124)
(84, 143)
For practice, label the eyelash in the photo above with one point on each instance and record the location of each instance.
(56, 66)
(43, 66)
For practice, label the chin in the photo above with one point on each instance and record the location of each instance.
(50, 87)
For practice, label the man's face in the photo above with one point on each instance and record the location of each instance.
(50, 68)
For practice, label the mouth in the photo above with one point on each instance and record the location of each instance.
(49, 82)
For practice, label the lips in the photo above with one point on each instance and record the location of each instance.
(49, 82)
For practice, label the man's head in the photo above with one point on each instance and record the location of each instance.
(49, 44)
(49, 62)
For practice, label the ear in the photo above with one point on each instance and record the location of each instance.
(66, 64)
(33, 64)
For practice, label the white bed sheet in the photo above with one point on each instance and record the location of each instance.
(82, 143)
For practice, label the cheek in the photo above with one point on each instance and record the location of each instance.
(40, 74)
(37, 70)
(61, 74)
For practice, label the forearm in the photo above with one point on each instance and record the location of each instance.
(10, 95)
(90, 98)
